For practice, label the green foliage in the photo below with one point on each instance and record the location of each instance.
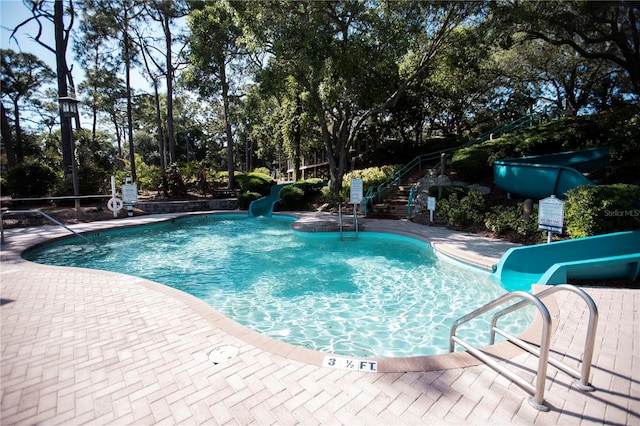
(505, 220)
(177, 186)
(371, 177)
(463, 211)
(292, 197)
(262, 170)
(617, 129)
(255, 182)
(245, 198)
(148, 176)
(447, 191)
(297, 195)
(311, 186)
(30, 179)
(594, 210)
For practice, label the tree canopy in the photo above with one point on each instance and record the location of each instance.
(288, 84)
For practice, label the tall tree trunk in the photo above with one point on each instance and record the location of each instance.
(7, 138)
(297, 140)
(127, 62)
(169, 76)
(18, 143)
(61, 72)
(227, 125)
(161, 145)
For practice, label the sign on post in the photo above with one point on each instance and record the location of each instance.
(129, 195)
(431, 206)
(551, 216)
(356, 191)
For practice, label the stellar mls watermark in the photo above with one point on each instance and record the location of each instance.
(622, 213)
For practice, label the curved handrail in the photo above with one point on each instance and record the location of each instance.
(57, 222)
(537, 399)
(587, 357)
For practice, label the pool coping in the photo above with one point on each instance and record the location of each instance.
(21, 239)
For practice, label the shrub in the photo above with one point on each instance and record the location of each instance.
(594, 210)
(245, 198)
(311, 186)
(262, 170)
(175, 181)
(463, 211)
(30, 179)
(447, 191)
(292, 197)
(504, 220)
(255, 182)
(372, 176)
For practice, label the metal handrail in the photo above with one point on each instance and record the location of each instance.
(583, 376)
(411, 200)
(537, 391)
(396, 177)
(57, 222)
(355, 220)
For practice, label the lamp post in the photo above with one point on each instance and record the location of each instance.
(68, 110)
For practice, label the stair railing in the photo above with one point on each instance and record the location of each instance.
(397, 178)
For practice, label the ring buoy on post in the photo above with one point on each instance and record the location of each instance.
(115, 204)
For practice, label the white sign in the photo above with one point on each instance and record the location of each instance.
(130, 193)
(551, 215)
(351, 364)
(356, 191)
(431, 203)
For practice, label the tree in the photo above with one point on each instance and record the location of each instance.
(165, 12)
(104, 90)
(23, 75)
(607, 30)
(354, 60)
(214, 47)
(41, 11)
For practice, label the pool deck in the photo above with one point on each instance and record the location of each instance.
(92, 347)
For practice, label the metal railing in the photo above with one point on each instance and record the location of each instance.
(582, 377)
(375, 194)
(542, 352)
(43, 214)
(355, 221)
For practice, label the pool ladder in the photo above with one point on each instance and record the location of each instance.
(341, 222)
(542, 351)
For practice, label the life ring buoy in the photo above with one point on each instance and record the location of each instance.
(115, 204)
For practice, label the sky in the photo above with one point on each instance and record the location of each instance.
(13, 12)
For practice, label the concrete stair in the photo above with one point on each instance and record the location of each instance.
(395, 204)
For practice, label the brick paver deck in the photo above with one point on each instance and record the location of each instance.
(92, 347)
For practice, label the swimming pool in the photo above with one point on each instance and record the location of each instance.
(382, 295)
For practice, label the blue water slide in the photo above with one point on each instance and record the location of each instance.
(605, 256)
(264, 206)
(544, 175)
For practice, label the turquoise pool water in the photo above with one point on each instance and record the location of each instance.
(381, 295)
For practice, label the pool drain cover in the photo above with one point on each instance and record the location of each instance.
(223, 353)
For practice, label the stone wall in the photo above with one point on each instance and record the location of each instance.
(154, 207)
